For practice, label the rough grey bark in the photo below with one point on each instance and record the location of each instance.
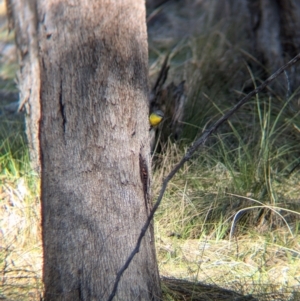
(94, 136)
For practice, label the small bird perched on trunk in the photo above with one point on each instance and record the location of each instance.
(155, 118)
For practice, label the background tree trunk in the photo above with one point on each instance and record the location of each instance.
(91, 80)
(273, 28)
(22, 17)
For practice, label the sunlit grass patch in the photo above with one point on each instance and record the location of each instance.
(230, 216)
(20, 253)
(248, 265)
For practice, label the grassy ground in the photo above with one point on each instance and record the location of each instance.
(209, 230)
(230, 217)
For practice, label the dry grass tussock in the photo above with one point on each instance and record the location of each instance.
(199, 239)
(21, 249)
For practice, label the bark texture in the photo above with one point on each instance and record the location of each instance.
(94, 136)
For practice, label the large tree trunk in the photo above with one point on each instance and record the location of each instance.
(92, 81)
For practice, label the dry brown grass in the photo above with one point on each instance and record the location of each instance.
(193, 233)
(21, 250)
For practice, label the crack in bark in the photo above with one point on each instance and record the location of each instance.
(145, 180)
(62, 109)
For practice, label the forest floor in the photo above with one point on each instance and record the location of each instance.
(228, 226)
(230, 218)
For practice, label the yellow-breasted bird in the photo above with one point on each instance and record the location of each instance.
(156, 117)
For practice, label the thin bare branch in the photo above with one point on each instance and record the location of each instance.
(191, 151)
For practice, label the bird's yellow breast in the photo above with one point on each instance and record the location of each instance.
(154, 119)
